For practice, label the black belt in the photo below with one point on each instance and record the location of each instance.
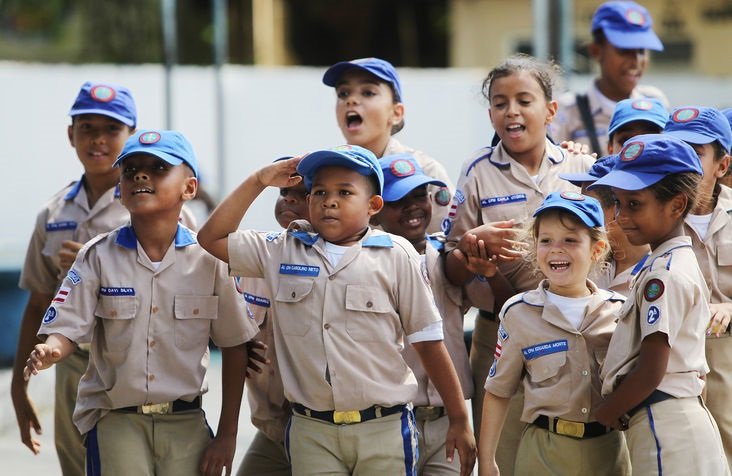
(573, 429)
(348, 417)
(429, 413)
(487, 315)
(655, 397)
(163, 408)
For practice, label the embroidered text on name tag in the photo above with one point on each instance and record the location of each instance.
(492, 201)
(105, 291)
(545, 348)
(257, 300)
(61, 225)
(299, 269)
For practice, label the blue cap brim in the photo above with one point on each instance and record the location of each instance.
(633, 40)
(401, 188)
(586, 219)
(627, 181)
(314, 161)
(577, 179)
(103, 112)
(174, 161)
(691, 137)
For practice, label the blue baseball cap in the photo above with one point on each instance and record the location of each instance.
(353, 157)
(699, 125)
(402, 174)
(599, 169)
(170, 146)
(587, 209)
(631, 110)
(728, 114)
(626, 25)
(380, 68)
(106, 99)
(648, 158)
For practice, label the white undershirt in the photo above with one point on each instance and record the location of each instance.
(700, 224)
(334, 253)
(572, 308)
(156, 264)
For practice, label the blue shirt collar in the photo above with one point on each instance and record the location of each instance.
(77, 187)
(378, 241)
(127, 238)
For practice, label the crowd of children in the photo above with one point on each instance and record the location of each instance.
(346, 326)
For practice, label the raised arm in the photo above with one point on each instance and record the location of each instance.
(214, 234)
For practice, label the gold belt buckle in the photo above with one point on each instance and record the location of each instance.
(156, 408)
(569, 428)
(346, 418)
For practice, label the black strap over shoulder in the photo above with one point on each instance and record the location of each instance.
(583, 104)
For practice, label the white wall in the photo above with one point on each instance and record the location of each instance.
(269, 112)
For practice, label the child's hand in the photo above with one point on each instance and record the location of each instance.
(721, 314)
(218, 456)
(67, 254)
(497, 237)
(478, 260)
(41, 357)
(255, 354)
(577, 148)
(460, 437)
(280, 174)
(604, 417)
(488, 470)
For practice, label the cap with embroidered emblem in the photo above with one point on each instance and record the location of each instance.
(631, 110)
(587, 209)
(170, 146)
(353, 157)
(648, 158)
(402, 174)
(380, 68)
(106, 99)
(626, 25)
(699, 125)
(598, 170)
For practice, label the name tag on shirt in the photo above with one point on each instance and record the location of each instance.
(256, 300)
(61, 225)
(105, 291)
(545, 348)
(299, 269)
(492, 201)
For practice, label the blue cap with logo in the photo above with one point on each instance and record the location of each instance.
(728, 114)
(598, 170)
(700, 125)
(402, 174)
(170, 146)
(587, 209)
(643, 109)
(106, 99)
(648, 158)
(626, 25)
(353, 157)
(380, 68)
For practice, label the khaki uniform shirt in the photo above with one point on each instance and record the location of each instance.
(432, 168)
(559, 365)
(450, 303)
(149, 328)
(67, 216)
(339, 331)
(667, 295)
(714, 254)
(268, 407)
(494, 187)
(568, 125)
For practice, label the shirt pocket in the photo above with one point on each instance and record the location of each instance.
(117, 315)
(724, 254)
(367, 310)
(293, 317)
(193, 319)
(545, 374)
(506, 211)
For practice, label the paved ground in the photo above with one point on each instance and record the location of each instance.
(17, 460)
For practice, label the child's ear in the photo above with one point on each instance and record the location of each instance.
(551, 109)
(678, 205)
(722, 166)
(189, 191)
(598, 248)
(70, 133)
(594, 50)
(376, 203)
(397, 114)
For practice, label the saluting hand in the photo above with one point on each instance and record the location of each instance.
(282, 174)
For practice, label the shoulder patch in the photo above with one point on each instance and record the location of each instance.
(654, 314)
(502, 334)
(653, 290)
(492, 371)
(73, 276)
(442, 196)
(50, 315)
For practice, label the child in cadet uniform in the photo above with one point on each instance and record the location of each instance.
(344, 297)
(407, 211)
(632, 117)
(709, 226)
(553, 340)
(148, 298)
(655, 365)
(622, 34)
(498, 188)
(269, 409)
(727, 179)
(370, 111)
(103, 117)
